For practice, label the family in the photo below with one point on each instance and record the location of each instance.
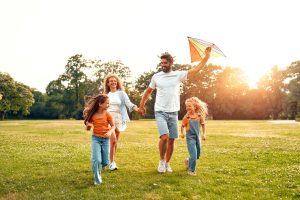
(107, 115)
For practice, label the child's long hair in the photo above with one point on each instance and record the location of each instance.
(200, 106)
(106, 81)
(92, 106)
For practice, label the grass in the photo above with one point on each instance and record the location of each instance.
(240, 160)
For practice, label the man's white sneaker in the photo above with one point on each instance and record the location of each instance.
(168, 167)
(113, 166)
(161, 166)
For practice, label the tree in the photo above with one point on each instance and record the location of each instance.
(16, 97)
(141, 85)
(112, 67)
(202, 85)
(38, 109)
(55, 87)
(293, 78)
(74, 76)
(272, 84)
(230, 91)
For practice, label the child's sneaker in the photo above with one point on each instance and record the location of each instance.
(113, 166)
(186, 162)
(168, 167)
(161, 166)
(96, 183)
(191, 173)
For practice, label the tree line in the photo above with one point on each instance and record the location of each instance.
(224, 89)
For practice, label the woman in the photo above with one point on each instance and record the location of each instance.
(119, 100)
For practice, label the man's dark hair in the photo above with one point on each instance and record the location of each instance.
(167, 56)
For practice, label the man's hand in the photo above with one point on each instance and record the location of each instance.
(207, 50)
(142, 110)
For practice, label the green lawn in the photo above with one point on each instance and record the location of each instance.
(240, 160)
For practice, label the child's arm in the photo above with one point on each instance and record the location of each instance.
(183, 127)
(203, 132)
(88, 126)
(112, 128)
(182, 131)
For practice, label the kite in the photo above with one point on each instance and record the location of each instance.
(197, 49)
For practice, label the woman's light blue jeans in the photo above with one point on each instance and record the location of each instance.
(100, 156)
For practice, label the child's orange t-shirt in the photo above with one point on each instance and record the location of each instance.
(185, 121)
(101, 124)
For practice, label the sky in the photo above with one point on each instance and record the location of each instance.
(38, 36)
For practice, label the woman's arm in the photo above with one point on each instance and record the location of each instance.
(129, 104)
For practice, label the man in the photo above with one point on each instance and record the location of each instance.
(167, 104)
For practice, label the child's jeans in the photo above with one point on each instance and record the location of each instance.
(100, 154)
(194, 148)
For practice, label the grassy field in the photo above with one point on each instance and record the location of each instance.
(240, 160)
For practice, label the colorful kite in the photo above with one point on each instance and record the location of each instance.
(197, 49)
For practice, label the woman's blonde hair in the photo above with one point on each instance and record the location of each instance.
(92, 106)
(200, 106)
(106, 81)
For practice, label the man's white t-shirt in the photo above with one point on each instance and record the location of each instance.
(167, 87)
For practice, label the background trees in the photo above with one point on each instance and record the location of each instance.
(292, 75)
(224, 89)
(15, 97)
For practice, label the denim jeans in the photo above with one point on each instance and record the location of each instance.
(193, 143)
(100, 156)
(167, 123)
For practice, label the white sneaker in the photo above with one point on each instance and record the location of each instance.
(168, 167)
(161, 166)
(98, 183)
(113, 166)
(191, 173)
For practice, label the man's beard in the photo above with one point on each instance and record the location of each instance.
(166, 69)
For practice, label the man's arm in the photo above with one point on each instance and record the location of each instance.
(192, 72)
(145, 98)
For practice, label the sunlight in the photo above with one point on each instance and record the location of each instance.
(252, 78)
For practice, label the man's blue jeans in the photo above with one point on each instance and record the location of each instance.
(100, 156)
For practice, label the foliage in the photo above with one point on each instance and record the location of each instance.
(273, 86)
(293, 87)
(103, 69)
(230, 91)
(141, 85)
(224, 89)
(202, 85)
(15, 97)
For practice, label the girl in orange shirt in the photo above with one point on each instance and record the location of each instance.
(191, 122)
(96, 115)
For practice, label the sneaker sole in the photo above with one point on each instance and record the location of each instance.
(161, 171)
